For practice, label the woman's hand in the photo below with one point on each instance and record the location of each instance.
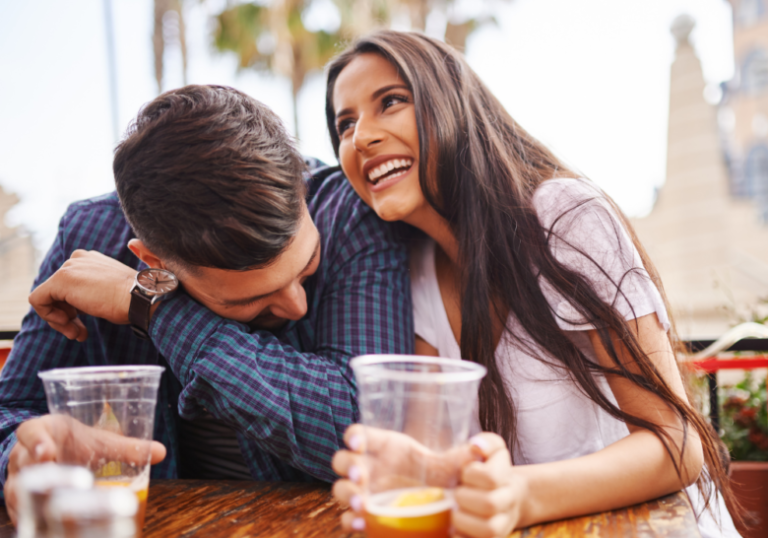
(348, 491)
(382, 459)
(490, 497)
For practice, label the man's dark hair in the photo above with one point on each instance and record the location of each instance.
(208, 177)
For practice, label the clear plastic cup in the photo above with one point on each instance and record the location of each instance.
(104, 420)
(417, 413)
(35, 486)
(92, 513)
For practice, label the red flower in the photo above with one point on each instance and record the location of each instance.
(759, 439)
(749, 412)
(734, 402)
(745, 418)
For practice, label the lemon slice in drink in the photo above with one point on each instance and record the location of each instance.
(419, 497)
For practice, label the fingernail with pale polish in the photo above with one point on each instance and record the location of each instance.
(354, 474)
(358, 524)
(356, 503)
(354, 442)
(39, 450)
(479, 442)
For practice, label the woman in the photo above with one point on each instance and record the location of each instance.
(532, 272)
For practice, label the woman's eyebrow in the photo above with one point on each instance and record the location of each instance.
(385, 89)
(375, 96)
(344, 112)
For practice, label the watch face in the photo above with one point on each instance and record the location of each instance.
(157, 281)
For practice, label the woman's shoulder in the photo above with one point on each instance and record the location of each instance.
(560, 190)
(556, 201)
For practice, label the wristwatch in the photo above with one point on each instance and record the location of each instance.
(150, 286)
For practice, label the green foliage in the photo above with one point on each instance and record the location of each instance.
(744, 420)
(272, 36)
(758, 315)
(238, 30)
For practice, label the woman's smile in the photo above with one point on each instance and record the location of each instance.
(386, 170)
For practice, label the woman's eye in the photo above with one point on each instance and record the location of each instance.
(343, 126)
(391, 100)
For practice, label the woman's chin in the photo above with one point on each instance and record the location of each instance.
(391, 212)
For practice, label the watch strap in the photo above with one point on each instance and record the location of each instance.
(138, 314)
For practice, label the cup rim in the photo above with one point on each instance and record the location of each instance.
(101, 373)
(472, 370)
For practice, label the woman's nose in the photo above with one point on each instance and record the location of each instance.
(291, 303)
(366, 134)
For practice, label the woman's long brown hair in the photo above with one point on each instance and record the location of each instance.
(479, 169)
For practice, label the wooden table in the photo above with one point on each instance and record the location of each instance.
(668, 517)
(236, 509)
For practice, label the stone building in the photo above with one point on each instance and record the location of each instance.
(18, 267)
(743, 114)
(708, 230)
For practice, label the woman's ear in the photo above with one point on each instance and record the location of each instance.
(141, 251)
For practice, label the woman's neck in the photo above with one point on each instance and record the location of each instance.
(431, 223)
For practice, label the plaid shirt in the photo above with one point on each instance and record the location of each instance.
(289, 395)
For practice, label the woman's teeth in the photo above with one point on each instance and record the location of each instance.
(395, 167)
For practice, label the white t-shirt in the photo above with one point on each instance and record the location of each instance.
(555, 420)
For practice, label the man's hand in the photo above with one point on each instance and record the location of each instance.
(89, 282)
(61, 439)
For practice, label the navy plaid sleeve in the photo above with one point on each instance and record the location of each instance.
(295, 405)
(21, 395)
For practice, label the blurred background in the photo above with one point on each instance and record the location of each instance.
(673, 127)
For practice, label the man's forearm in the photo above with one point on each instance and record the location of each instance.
(294, 405)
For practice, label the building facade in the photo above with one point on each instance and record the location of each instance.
(743, 111)
(708, 230)
(18, 267)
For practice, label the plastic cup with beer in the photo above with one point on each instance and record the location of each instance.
(103, 419)
(416, 412)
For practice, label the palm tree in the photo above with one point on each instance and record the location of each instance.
(273, 37)
(360, 17)
(162, 8)
(456, 31)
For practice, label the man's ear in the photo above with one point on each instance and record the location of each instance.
(141, 251)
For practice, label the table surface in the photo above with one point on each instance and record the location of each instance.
(240, 509)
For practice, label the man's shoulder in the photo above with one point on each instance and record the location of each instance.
(96, 223)
(328, 184)
(334, 205)
(108, 203)
(347, 224)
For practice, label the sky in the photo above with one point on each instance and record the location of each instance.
(590, 78)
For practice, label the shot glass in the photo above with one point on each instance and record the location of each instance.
(36, 485)
(92, 513)
(417, 413)
(104, 420)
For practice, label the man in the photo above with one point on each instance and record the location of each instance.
(284, 280)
